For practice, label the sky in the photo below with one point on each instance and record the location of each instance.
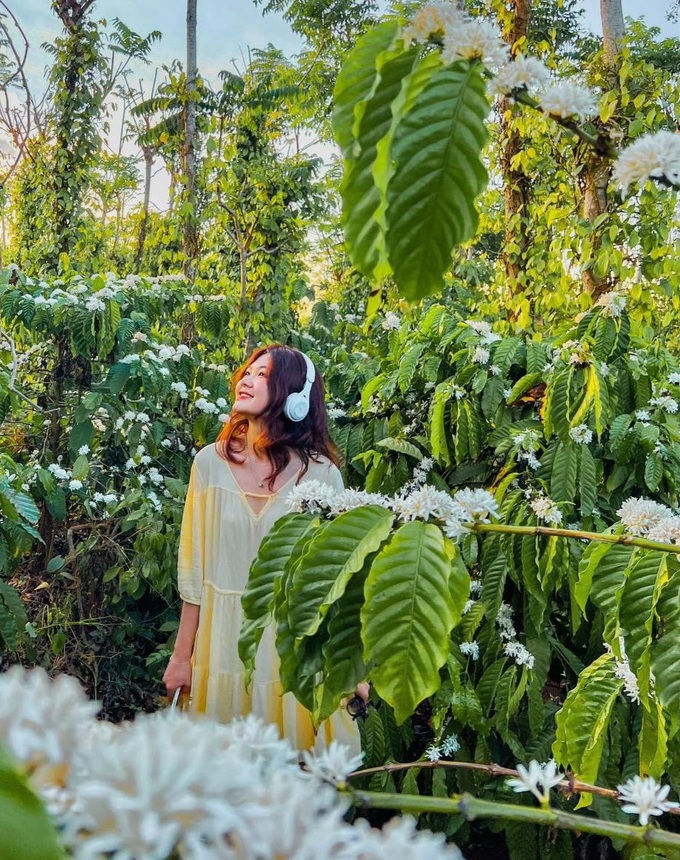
(226, 30)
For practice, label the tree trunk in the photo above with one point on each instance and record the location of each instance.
(597, 168)
(144, 226)
(517, 186)
(190, 232)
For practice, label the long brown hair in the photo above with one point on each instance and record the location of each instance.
(308, 438)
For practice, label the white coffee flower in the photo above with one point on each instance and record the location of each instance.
(205, 406)
(75, 484)
(567, 100)
(477, 505)
(470, 649)
(424, 503)
(480, 355)
(332, 765)
(645, 797)
(546, 509)
(42, 721)
(433, 753)
(59, 473)
(391, 321)
(310, 497)
(450, 745)
(83, 450)
(639, 516)
(522, 73)
(504, 622)
(674, 378)
(666, 402)
(612, 304)
(180, 388)
(544, 775)
(642, 415)
(666, 531)
(623, 671)
(433, 19)
(348, 499)
(520, 654)
(143, 417)
(475, 39)
(581, 434)
(652, 156)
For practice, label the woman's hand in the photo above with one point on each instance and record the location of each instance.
(177, 675)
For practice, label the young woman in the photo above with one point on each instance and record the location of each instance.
(276, 437)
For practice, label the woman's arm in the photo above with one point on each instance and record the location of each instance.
(178, 672)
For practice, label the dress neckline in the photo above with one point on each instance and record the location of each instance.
(245, 495)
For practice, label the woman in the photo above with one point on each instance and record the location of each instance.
(276, 437)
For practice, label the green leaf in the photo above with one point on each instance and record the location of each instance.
(118, 376)
(26, 831)
(401, 446)
(408, 366)
(494, 573)
(405, 642)
(259, 594)
(653, 740)
(582, 722)
(565, 466)
(357, 79)
(437, 176)
(653, 471)
(647, 574)
(81, 467)
(587, 481)
(329, 561)
(363, 194)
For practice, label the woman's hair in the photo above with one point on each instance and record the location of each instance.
(309, 438)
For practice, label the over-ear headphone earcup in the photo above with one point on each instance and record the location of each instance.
(297, 406)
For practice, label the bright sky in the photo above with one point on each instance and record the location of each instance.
(226, 30)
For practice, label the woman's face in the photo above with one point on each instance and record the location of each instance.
(252, 390)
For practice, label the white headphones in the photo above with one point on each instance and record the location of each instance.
(296, 406)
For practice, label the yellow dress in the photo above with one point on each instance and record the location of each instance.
(220, 538)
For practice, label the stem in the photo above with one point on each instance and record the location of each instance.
(568, 786)
(541, 531)
(473, 807)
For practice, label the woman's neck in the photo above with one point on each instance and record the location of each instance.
(254, 431)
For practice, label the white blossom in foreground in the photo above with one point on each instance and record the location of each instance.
(425, 503)
(522, 73)
(391, 321)
(334, 764)
(582, 435)
(311, 497)
(399, 840)
(652, 156)
(450, 745)
(667, 531)
(612, 304)
(475, 39)
(477, 505)
(433, 19)
(42, 721)
(639, 516)
(544, 775)
(666, 402)
(433, 753)
(480, 356)
(645, 797)
(347, 500)
(568, 101)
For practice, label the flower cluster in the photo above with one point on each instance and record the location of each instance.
(644, 517)
(623, 671)
(522, 73)
(612, 304)
(652, 156)
(420, 503)
(512, 648)
(644, 797)
(568, 101)
(581, 434)
(167, 785)
(546, 509)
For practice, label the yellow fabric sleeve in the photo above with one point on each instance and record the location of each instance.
(192, 541)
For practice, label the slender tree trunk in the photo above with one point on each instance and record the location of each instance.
(597, 168)
(190, 232)
(144, 226)
(517, 185)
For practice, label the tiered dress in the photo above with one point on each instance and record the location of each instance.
(220, 537)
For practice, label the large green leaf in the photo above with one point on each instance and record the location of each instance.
(648, 573)
(344, 666)
(565, 467)
(357, 79)
(582, 722)
(363, 198)
(408, 615)
(258, 597)
(331, 558)
(437, 176)
(665, 651)
(653, 741)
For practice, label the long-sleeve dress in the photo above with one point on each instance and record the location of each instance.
(220, 537)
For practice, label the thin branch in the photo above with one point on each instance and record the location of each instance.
(14, 371)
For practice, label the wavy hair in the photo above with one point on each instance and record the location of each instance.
(308, 438)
